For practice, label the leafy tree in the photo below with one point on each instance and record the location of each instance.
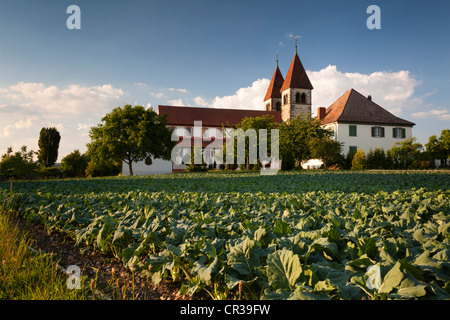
(359, 160)
(439, 148)
(192, 166)
(18, 164)
(406, 151)
(376, 159)
(295, 136)
(49, 139)
(74, 164)
(252, 145)
(326, 149)
(130, 134)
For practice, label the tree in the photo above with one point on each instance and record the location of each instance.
(376, 159)
(296, 134)
(49, 139)
(18, 164)
(74, 164)
(406, 151)
(359, 160)
(252, 142)
(130, 134)
(439, 148)
(325, 149)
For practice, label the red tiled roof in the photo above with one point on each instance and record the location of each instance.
(296, 76)
(275, 85)
(354, 107)
(213, 117)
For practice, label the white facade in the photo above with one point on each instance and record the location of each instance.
(140, 168)
(365, 137)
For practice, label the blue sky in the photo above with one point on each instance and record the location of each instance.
(213, 53)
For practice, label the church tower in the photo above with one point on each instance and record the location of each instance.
(272, 100)
(295, 91)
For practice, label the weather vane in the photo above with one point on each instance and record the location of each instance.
(296, 37)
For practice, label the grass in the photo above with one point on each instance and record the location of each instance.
(27, 275)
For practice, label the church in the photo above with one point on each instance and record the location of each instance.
(355, 120)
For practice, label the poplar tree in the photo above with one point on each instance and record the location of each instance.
(49, 139)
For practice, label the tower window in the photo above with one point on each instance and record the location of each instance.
(278, 106)
(303, 98)
(297, 97)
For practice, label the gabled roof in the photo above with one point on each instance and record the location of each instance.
(354, 107)
(213, 117)
(275, 85)
(296, 76)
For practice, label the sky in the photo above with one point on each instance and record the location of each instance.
(211, 53)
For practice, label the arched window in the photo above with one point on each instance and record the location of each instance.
(297, 97)
(285, 99)
(303, 97)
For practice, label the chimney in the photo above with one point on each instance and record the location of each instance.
(321, 113)
(369, 97)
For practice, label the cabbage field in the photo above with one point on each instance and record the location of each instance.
(296, 235)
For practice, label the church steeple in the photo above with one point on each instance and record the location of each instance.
(272, 98)
(296, 90)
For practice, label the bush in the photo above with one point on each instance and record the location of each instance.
(376, 159)
(18, 165)
(359, 160)
(74, 164)
(287, 161)
(50, 173)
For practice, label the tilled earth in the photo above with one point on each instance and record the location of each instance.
(106, 272)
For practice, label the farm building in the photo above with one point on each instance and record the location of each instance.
(356, 120)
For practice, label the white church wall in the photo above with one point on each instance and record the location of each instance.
(140, 168)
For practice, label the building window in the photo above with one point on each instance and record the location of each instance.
(297, 97)
(399, 133)
(352, 149)
(278, 106)
(303, 98)
(268, 107)
(377, 132)
(352, 131)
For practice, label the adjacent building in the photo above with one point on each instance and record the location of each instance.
(360, 123)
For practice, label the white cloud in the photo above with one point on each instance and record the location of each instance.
(27, 107)
(52, 102)
(244, 98)
(391, 90)
(179, 90)
(200, 102)
(177, 102)
(440, 114)
(157, 94)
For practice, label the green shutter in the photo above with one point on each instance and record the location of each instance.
(352, 131)
(393, 133)
(403, 133)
